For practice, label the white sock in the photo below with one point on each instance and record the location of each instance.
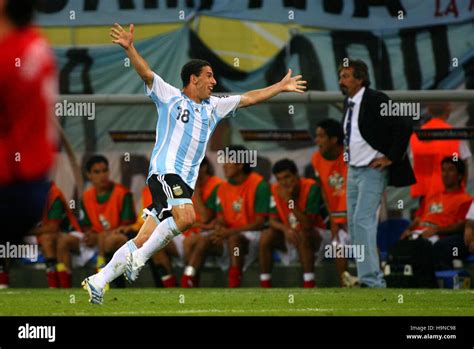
(189, 271)
(116, 266)
(161, 236)
(308, 276)
(265, 277)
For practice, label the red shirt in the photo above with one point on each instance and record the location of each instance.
(332, 175)
(443, 208)
(28, 86)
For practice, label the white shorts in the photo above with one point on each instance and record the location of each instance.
(85, 253)
(253, 238)
(291, 254)
(223, 261)
(325, 235)
(417, 233)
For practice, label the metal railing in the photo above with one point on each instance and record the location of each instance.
(308, 97)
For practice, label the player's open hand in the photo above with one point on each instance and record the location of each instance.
(216, 237)
(293, 84)
(429, 232)
(121, 36)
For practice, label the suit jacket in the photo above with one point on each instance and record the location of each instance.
(389, 135)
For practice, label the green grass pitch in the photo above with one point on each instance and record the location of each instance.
(237, 302)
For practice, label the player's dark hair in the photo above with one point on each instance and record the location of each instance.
(284, 165)
(360, 70)
(20, 12)
(459, 164)
(193, 67)
(209, 168)
(96, 159)
(238, 147)
(333, 128)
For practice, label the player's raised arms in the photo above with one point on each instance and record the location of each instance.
(125, 39)
(287, 84)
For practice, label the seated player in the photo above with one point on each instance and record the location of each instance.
(330, 171)
(181, 246)
(443, 213)
(107, 213)
(294, 207)
(242, 203)
(57, 218)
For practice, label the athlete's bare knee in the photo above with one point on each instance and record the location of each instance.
(304, 238)
(119, 241)
(184, 217)
(145, 231)
(234, 240)
(114, 242)
(109, 243)
(63, 243)
(202, 244)
(47, 239)
(267, 237)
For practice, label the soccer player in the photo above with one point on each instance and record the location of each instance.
(57, 218)
(294, 207)
(330, 171)
(242, 204)
(443, 213)
(107, 212)
(186, 121)
(27, 136)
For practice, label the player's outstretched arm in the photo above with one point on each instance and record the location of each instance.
(287, 84)
(125, 39)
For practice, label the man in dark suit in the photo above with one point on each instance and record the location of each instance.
(376, 152)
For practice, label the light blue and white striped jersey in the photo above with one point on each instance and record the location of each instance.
(183, 129)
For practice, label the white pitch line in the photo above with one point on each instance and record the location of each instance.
(203, 311)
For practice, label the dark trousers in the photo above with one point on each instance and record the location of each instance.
(447, 249)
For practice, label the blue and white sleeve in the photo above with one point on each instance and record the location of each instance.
(161, 90)
(225, 105)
